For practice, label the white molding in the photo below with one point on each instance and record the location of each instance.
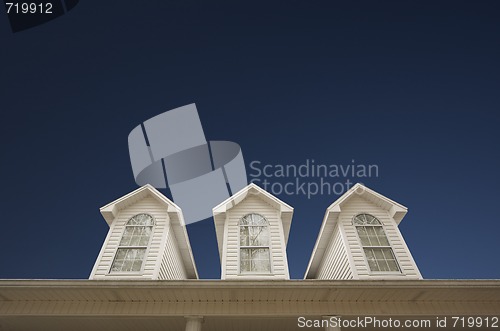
(99, 298)
(101, 252)
(163, 245)
(224, 250)
(354, 270)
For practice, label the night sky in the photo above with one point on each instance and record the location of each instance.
(411, 86)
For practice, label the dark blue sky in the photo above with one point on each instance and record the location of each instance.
(412, 86)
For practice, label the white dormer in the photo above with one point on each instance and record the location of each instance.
(147, 239)
(252, 230)
(360, 239)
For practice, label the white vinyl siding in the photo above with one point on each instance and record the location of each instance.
(335, 264)
(133, 244)
(230, 254)
(171, 266)
(356, 205)
(254, 244)
(161, 247)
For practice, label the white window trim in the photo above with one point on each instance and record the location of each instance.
(376, 272)
(132, 273)
(255, 273)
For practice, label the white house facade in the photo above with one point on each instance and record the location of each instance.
(147, 239)
(145, 277)
(360, 239)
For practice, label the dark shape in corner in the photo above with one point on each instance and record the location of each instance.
(38, 12)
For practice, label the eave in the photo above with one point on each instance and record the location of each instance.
(92, 298)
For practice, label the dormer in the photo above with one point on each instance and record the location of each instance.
(147, 239)
(360, 239)
(252, 228)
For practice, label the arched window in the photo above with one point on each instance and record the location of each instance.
(132, 248)
(378, 250)
(254, 244)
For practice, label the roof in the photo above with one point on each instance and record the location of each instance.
(112, 209)
(219, 212)
(161, 305)
(395, 210)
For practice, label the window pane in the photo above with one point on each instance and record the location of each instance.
(369, 253)
(378, 254)
(136, 236)
(244, 220)
(137, 232)
(141, 219)
(130, 255)
(143, 241)
(137, 265)
(382, 238)
(376, 246)
(357, 220)
(128, 259)
(373, 265)
(253, 219)
(393, 266)
(245, 266)
(245, 259)
(260, 259)
(244, 254)
(254, 231)
(127, 234)
(255, 260)
(261, 266)
(363, 219)
(140, 253)
(363, 235)
(258, 220)
(381, 259)
(259, 236)
(120, 254)
(134, 241)
(383, 265)
(372, 237)
(370, 257)
(117, 265)
(260, 254)
(127, 265)
(244, 236)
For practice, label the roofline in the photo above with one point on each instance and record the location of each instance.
(107, 210)
(245, 189)
(355, 188)
(313, 254)
(219, 283)
(145, 298)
